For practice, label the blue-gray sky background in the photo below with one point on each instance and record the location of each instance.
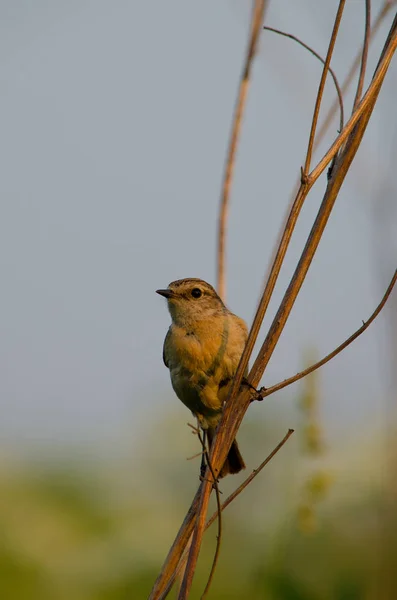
(114, 121)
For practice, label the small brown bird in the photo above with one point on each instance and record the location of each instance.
(202, 350)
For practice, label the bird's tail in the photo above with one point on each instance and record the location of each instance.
(234, 462)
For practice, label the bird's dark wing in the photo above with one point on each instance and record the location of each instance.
(166, 342)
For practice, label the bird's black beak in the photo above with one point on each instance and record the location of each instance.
(166, 293)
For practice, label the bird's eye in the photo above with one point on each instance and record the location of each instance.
(196, 292)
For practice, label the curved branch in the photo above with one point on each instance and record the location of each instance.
(254, 473)
(279, 386)
(331, 71)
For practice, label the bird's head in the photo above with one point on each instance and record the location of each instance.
(192, 300)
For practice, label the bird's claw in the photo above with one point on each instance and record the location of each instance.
(257, 394)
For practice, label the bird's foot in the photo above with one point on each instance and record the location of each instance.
(256, 394)
(214, 484)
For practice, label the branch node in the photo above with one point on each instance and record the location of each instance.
(304, 177)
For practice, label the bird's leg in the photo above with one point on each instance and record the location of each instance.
(204, 462)
(203, 465)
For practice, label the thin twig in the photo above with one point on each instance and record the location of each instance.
(320, 92)
(256, 22)
(248, 480)
(331, 71)
(219, 515)
(224, 505)
(383, 12)
(364, 55)
(279, 386)
(195, 456)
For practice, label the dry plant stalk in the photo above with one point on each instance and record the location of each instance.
(340, 155)
(258, 12)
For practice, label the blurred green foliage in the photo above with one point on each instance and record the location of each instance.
(85, 531)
